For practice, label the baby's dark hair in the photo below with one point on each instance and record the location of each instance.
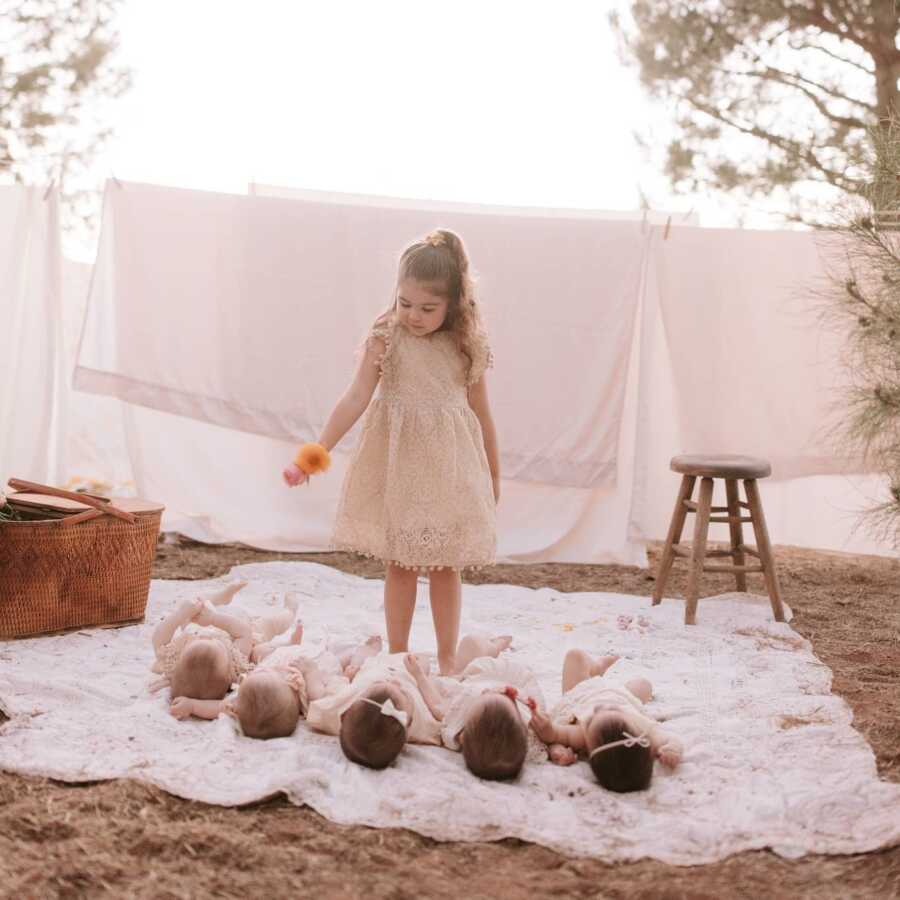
(621, 769)
(203, 671)
(494, 740)
(369, 737)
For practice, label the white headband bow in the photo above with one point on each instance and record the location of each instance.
(629, 741)
(388, 709)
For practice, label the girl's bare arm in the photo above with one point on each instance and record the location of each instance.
(478, 401)
(356, 398)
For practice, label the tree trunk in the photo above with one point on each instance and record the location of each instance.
(886, 57)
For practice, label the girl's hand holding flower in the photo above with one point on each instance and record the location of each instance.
(293, 475)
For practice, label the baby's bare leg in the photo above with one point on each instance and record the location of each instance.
(274, 624)
(224, 596)
(473, 646)
(579, 665)
(357, 655)
(239, 629)
(641, 688)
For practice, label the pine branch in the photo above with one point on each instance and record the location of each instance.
(782, 78)
(801, 79)
(788, 146)
(804, 45)
(815, 17)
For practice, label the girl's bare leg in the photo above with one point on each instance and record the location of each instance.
(399, 606)
(473, 646)
(580, 665)
(446, 601)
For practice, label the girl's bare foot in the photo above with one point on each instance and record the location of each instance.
(601, 664)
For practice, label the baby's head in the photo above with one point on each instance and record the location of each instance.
(203, 671)
(619, 762)
(267, 706)
(494, 738)
(435, 290)
(372, 728)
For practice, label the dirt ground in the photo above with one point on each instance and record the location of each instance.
(124, 839)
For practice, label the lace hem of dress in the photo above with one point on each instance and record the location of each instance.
(350, 548)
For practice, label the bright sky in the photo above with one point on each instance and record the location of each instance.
(495, 101)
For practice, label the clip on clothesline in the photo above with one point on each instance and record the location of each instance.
(667, 228)
(49, 188)
(116, 181)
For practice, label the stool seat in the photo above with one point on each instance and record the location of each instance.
(722, 465)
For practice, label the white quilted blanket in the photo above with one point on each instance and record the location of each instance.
(771, 757)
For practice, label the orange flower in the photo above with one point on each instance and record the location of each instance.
(313, 458)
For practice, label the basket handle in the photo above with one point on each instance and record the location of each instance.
(103, 506)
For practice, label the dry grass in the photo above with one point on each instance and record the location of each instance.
(125, 839)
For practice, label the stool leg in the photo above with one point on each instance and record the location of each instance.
(764, 547)
(698, 551)
(676, 526)
(737, 532)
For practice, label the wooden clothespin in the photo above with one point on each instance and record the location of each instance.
(667, 228)
(49, 188)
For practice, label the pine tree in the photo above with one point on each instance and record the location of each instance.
(768, 95)
(57, 75)
(865, 304)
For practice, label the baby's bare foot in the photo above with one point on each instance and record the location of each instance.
(223, 596)
(602, 663)
(501, 642)
(351, 671)
(297, 634)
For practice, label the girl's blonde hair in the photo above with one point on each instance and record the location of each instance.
(440, 261)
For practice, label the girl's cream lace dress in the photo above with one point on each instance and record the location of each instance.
(418, 490)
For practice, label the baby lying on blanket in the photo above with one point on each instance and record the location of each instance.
(479, 708)
(603, 717)
(381, 710)
(276, 694)
(201, 651)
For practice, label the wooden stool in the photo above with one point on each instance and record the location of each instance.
(731, 469)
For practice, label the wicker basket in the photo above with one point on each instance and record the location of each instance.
(74, 560)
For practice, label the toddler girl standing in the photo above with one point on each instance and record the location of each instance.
(421, 489)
